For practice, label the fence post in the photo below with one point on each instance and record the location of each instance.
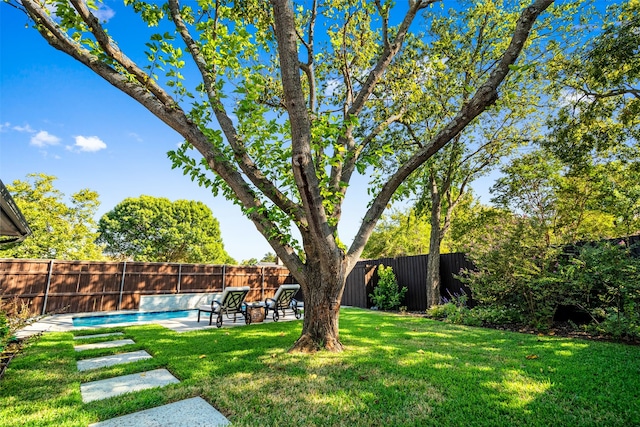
(224, 270)
(124, 271)
(262, 285)
(179, 277)
(46, 292)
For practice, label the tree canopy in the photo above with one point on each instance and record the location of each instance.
(285, 102)
(154, 229)
(61, 229)
(600, 115)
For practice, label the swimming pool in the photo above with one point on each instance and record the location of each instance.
(145, 316)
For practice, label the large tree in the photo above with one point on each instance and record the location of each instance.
(284, 110)
(444, 181)
(155, 229)
(61, 228)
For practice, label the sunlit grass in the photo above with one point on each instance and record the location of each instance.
(396, 370)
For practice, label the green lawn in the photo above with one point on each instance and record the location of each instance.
(396, 371)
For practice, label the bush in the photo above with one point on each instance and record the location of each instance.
(386, 295)
(455, 310)
(497, 315)
(518, 279)
(515, 270)
(605, 279)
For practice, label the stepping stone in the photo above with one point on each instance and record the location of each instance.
(108, 344)
(116, 359)
(190, 412)
(83, 337)
(102, 389)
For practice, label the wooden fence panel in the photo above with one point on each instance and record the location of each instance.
(451, 265)
(87, 286)
(411, 272)
(196, 278)
(355, 292)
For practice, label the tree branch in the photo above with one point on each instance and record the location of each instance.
(485, 96)
(243, 159)
(308, 67)
(172, 115)
(116, 54)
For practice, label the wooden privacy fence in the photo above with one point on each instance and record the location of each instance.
(85, 286)
(411, 271)
(48, 286)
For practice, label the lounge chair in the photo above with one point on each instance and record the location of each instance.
(230, 302)
(283, 300)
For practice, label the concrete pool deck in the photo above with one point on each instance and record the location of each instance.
(64, 322)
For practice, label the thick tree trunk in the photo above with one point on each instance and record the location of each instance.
(322, 295)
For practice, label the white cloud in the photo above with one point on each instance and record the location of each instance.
(332, 86)
(104, 13)
(25, 128)
(572, 97)
(135, 136)
(44, 138)
(4, 126)
(89, 143)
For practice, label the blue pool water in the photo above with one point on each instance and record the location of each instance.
(148, 316)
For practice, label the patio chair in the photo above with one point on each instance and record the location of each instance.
(230, 302)
(283, 300)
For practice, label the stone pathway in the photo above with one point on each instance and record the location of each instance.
(115, 359)
(107, 344)
(189, 412)
(102, 389)
(192, 412)
(84, 337)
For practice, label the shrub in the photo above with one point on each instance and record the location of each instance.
(454, 310)
(517, 270)
(496, 315)
(605, 279)
(387, 295)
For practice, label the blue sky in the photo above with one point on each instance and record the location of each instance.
(59, 118)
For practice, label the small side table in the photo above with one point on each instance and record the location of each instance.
(256, 311)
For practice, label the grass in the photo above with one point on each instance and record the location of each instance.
(397, 370)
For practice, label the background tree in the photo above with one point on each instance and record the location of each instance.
(398, 233)
(596, 131)
(269, 257)
(403, 233)
(303, 116)
(61, 229)
(565, 206)
(441, 84)
(601, 87)
(154, 229)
